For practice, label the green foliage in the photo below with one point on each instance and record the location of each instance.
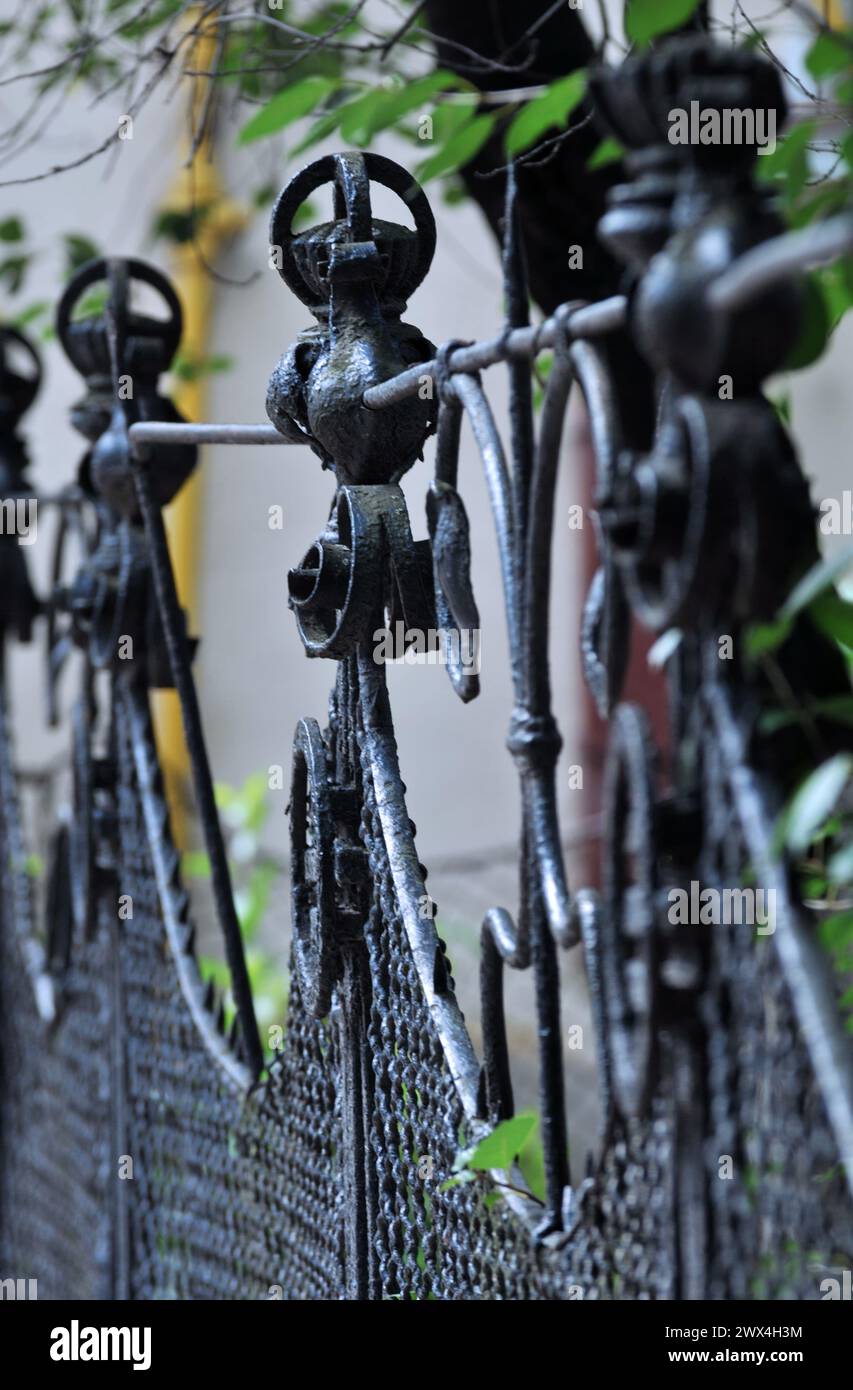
(645, 19)
(461, 147)
(829, 56)
(289, 105)
(78, 251)
(814, 800)
(179, 225)
(816, 582)
(549, 111)
(608, 152)
(244, 811)
(11, 229)
(193, 368)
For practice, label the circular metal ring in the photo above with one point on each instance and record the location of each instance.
(103, 269)
(331, 624)
(351, 176)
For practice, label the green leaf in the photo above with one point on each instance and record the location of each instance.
(816, 581)
(645, 19)
(32, 311)
(13, 272)
(840, 867)
(192, 369)
(828, 55)
(836, 932)
(551, 109)
(195, 864)
(608, 152)
(460, 1180)
(459, 150)
(321, 128)
(500, 1148)
(816, 329)
(838, 708)
(291, 104)
(836, 283)
(393, 105)
(179, 224)
(815, 800)
(357, 117)
(264, 195)
(761, 638)
(789, 162)
(834, 616)
(11, 229)
(78, 251)
(451, 116)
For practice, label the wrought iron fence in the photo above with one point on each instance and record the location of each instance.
(725, 1076)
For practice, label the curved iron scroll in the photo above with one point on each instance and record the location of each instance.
(335, 1174)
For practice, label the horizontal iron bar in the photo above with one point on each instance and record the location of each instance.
(161, 432)
(773, 260)
(587, 321)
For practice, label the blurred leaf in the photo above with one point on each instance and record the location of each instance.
(608, 152)
(645, 19)
(13, 271)
(815, 800)
(291, 104)
(834, 616)
(264, 196)
(815, 581)
(789, 162)
(828, 54)
(91, 305)
(836, 932)
(543, 113)
(78, 250)
(11, 229)
(319, 130)
(459, 150)
(817, 327)
(192, 369)
(761, 638)
(195, 864)
(32, 312)
(837, 708)
(253, 901)
(390, 106)
(840, 867)
(151, 19)
(179, 225)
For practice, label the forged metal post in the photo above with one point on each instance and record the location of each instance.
(110, 597)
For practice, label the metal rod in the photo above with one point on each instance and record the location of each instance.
(160, 432)
(774, 260)
(589, 321)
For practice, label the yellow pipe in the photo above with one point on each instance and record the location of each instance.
(197, 187)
